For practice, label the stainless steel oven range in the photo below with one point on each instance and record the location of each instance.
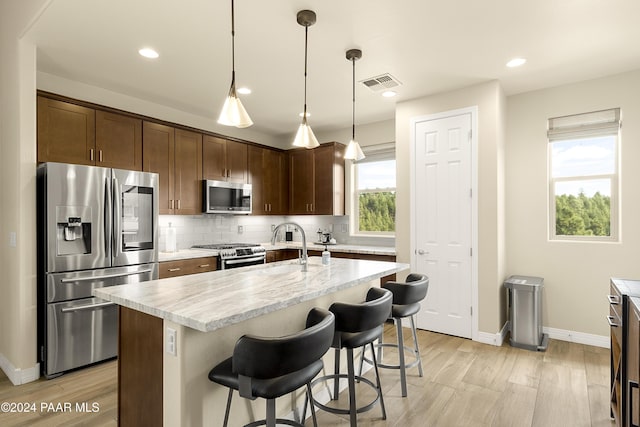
(97, 227)
(234, 255)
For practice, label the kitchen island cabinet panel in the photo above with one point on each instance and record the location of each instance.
(66, 132)
(224, 160)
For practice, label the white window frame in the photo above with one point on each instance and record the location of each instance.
(598, 123)
(373, 153)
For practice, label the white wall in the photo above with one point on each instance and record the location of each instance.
(491, 235)
(576, 274)
(17, 173)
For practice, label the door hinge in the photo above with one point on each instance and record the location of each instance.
(470, 251)
(471, 310)
(470, 135)
(471, 192)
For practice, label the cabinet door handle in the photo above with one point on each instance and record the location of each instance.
(171, 204)
(178, 204)
(610, 320)
(613, 299)
(204, 265)
(631, 386)
(171, 270)
(91, 154)
(100, 155)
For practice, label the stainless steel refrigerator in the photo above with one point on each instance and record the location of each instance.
(97, 227)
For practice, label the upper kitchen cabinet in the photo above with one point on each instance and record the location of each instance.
(70, 133)
(176, 156)
(269, 179)
(66, 132)
(316, 180)
(118, 141)
(224, 160)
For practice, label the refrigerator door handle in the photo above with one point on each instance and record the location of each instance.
(87, 307)
(108, 221)
(116, 220)
(105, 276)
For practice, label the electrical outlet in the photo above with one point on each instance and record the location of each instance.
(13, 239)
(344, 228)
(172, 344)
(240, 229)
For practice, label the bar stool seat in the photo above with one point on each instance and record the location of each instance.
(265, 367)
(356, 326)
(406, 303)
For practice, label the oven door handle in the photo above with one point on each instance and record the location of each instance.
(104, 276)
(87, 307)
(243, 260)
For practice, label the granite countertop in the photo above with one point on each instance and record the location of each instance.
(210, 301)
(357, 249)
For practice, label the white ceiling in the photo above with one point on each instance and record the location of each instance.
(431, 46)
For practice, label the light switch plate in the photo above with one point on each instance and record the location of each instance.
(240, 229)
(172, 344)
(13, 239)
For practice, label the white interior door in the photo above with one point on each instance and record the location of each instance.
(442, 222)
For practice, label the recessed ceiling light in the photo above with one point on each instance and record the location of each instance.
(516, 62)
(389, 94)
(244, 90)
(147, 52)
(302, 114)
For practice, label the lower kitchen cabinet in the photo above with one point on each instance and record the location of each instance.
(187, 266)
(633, 363)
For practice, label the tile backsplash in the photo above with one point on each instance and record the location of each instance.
(203, 229)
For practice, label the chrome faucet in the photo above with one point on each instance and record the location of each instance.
(303, 257)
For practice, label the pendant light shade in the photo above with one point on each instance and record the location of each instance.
(354, 152)
(233, 112)
(304, 136)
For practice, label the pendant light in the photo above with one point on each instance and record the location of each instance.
(354, 152)
(233, 112)
(304, 136)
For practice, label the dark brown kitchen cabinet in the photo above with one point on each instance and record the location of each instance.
(70, 133)
(66, 132)
(186, 266)
(633, 363)
(224, 160)
(176, 156)
(118, 141)
(268, 177)
(316, 180)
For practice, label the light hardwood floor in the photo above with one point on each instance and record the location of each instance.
(465, 384)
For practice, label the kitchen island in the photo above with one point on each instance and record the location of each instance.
(173, 331)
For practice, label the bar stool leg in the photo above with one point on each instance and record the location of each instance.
(353, 415)
(271, 413)
(313, 412)
(336, 371)
(415, 341)
(403, 369)
(226, 413)
(375, 366)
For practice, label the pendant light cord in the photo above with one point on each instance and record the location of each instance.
(233, 50)
(306, 35)
(353, 108)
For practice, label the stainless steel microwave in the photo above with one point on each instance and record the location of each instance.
(226, 197)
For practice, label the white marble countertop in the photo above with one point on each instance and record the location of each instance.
(210, 301)
(358, 249)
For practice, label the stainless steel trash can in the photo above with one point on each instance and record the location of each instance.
(524, 302)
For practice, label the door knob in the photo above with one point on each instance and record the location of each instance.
(422, 252)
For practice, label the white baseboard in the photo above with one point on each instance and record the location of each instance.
(557, 334)
(578, 337)
(19, 376)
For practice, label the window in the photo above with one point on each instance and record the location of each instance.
(374, 201)
(583, 176)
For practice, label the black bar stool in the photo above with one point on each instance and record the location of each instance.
(272, 367)
(356, 326)
(406, 303)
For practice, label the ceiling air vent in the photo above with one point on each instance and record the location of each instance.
(381, 82)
